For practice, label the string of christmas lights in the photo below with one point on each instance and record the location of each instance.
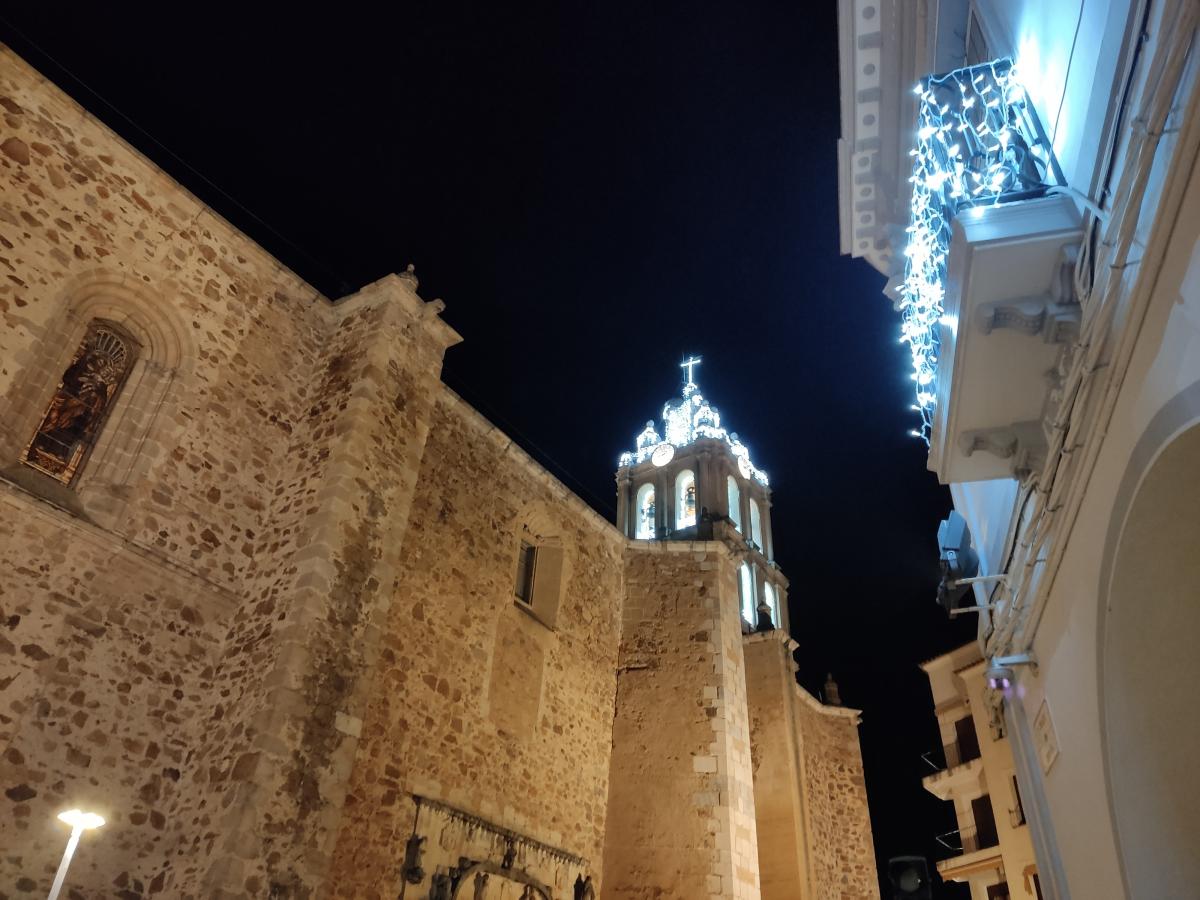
(979, 143)
(684, 421)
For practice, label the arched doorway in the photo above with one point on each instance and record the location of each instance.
(1150, 674)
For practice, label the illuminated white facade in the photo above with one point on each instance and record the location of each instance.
(694, 480)
(1054, 325)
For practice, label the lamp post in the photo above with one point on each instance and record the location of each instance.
(80, 822)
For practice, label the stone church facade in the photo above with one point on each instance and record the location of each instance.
(298, 622)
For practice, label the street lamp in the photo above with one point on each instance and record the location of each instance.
(80, 822)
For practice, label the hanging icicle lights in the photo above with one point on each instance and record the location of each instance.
(979, 143)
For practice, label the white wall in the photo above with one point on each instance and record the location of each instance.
(1165, 366)
(1068, 63)
(988, 507)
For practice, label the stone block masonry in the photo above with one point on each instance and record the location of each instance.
(277, 602)
(814, 826)
(474, 701)
(681, 801)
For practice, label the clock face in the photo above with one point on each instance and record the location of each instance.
(663, 454)
(744, 466)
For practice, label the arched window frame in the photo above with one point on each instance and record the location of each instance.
(746, 595)
(756, 532)
(132, 435)
(645, 529)
(733, 494)
(101, 336)
(771, 596)
(684, 519)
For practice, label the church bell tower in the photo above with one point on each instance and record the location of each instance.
(694, 481)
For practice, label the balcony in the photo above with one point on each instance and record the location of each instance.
(987, 300)
(963, 773)
(972, 855)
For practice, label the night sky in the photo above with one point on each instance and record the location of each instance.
(595, 190)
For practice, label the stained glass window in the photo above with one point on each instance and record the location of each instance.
(84, 396)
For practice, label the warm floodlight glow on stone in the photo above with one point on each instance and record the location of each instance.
(77, 818)
(979, 143)
(80, 822)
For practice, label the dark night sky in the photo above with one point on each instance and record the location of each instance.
(595, 191)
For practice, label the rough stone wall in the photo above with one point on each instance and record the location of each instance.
(778, 773)
(841, 848)
(248, 513)
(278, 600)
(371, 401)
(118, 688)
(476, 703)
(108, 666)
(814, 828)
(681, 805)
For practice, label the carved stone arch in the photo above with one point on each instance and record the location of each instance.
(132, 435)
(465, 890)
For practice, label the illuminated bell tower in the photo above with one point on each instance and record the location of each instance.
(694, 481)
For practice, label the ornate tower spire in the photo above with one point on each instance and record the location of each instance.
(690, 478)
(689, 383)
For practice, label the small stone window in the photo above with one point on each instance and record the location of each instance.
(72, 420)
(526, 565)
(539, 581)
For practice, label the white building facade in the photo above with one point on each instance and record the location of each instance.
(1024, 174)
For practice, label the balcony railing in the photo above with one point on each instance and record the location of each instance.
(954, 754)
(979, 142)
(963, 840)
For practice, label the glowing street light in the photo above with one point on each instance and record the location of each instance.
(80, 822)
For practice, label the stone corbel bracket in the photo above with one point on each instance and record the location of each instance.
(1057, 323)
(1054, 315)
(1023, 443)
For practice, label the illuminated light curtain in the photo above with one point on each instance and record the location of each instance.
(685, 499)
(756, 524)
(979, 143)
(645, 529)
(735, 502)
(746, 592)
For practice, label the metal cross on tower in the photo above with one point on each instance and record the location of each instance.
(690, 364)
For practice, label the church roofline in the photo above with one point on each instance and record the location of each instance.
(159, 177)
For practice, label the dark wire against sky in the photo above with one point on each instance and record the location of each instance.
(595, 190)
